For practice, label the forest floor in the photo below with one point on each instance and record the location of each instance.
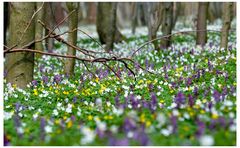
(190, 100)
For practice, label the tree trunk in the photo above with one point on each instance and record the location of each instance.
(202, 23)
(19, 66)
(106, 24)
(6, 20)
(50, 22)
(227, 17)
(38, 27)
(167, 24)
(154, 21)
(72, 37)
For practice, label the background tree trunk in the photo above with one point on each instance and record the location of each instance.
(6, 20)
(106, 24)
(202, 23)
(72, 37)
(19, 66)
(227, 18)
(38, 27)
(154, 21)
(167, 23)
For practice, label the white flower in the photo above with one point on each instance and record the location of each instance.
(113, 129)
(35, 116)
(161, 119)
(206, 140)
(175, 112)
(88, 135)
(99, 102)
(59, 104)
(69, 108)
(7, 115)
(165, 132)
(55, 112)
(125, 87)
(108, 103)
(48, 129)
(20, 130)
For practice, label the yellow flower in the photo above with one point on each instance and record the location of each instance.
(140, 81)
(65, 92)
(35, 92)
(56, 91)
(214, 116)
(69, 124)
(90, 117)
(204, 100)
(142, 118)
(97, 80)
(50, 88)
(162, 101)
(14, 86)
(57, 121)
(202, 111)
(148, 123)
(102, 89)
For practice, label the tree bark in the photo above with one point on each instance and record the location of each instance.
(154, 20)
(227, 18)
(38, 27)
(19, 66)
(167, 24)
(202, 23)
(106, 24)
(72, 37)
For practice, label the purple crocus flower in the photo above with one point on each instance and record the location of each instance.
(180, 99)
(100, 133)
(137, 66)
(6, 140)
(57, 78)
(42, 126)
(190, 100)
(74, 99)
(41, 68)
(150, 87)
(45, 79)
(201, 128)
(212, 124)
(142, 137)
(118, 142)
(129, 124)
(34, 83)
(216, 95)
(117, 103)
(153, 101)
(173, 120)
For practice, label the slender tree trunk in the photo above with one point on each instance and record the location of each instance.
(19, 66)
(6, 20)
(50, 22)
(227, 18)
(72, 37)
(202, 23)
(167, 24)
(106, 24)
(154, 21)
(38, 27)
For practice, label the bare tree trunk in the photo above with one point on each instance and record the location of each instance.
(202, 23)
(38, 27)
(106, 24)
(50, 22)
(72, 37)
(19, 66)
(154, 20)
(6, 20)
(227, 18)
(167, 24)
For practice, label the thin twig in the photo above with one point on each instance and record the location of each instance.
(29, 23)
